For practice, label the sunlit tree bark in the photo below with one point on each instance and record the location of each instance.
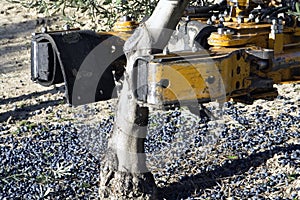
(125, 174)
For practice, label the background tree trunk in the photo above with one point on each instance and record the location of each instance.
(125, 174)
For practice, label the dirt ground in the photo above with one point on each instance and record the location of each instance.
(17, 91)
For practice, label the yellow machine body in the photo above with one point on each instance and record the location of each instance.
(198, 78)
(244, 61)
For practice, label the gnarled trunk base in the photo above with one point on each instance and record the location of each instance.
(125, 185)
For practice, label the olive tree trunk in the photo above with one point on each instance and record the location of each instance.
(124, 174)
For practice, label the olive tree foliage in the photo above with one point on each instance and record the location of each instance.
(101, 14)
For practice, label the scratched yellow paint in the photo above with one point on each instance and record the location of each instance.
(200, 79)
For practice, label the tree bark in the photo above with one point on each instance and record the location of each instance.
(125, 174)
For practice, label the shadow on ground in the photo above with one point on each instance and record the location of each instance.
(27, 111)
(13, 30)
(31, 95)
(188, 185)
(8, 49)
(11, 66)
